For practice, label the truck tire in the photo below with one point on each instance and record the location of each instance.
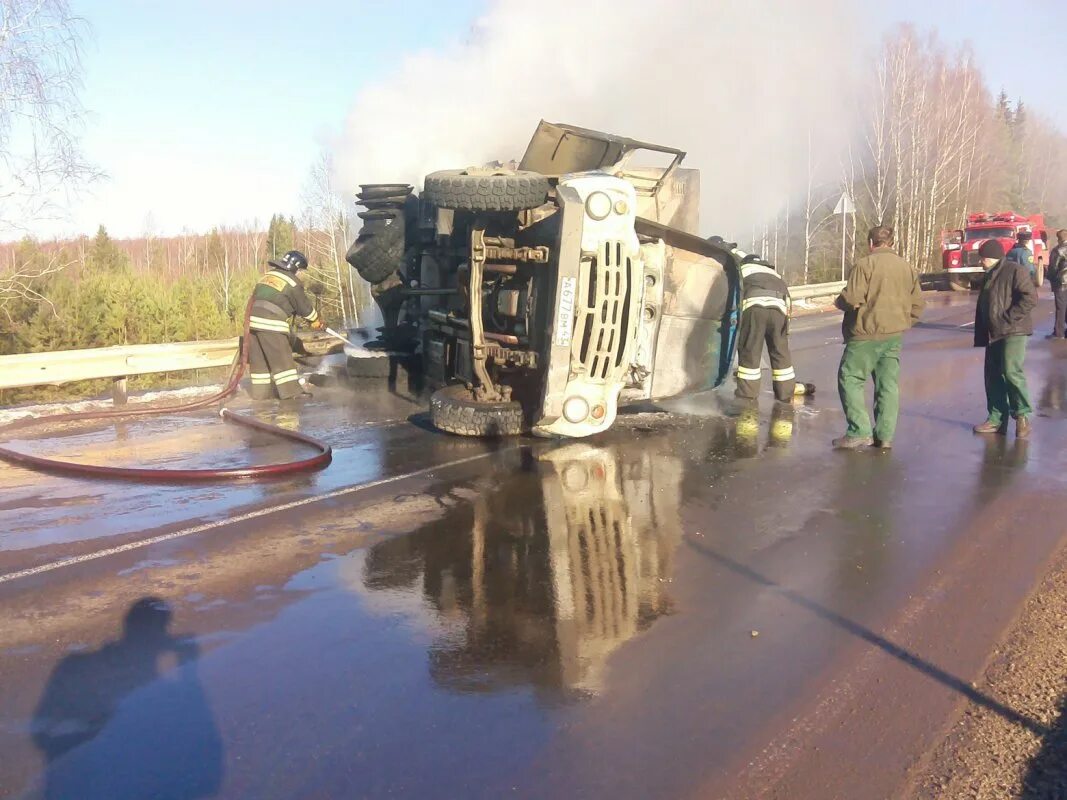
(453, 410)
(376, 256)
(379, 191)
(504, 191)
(369, 366)
(959, 283)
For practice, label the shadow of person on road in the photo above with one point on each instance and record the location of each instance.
(1046, 774)
(98, 744)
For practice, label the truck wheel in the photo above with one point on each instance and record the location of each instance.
(452, 409)
(369, 366)
(490, 191)
(376, 256)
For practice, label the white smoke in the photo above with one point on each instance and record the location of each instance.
(738, 85)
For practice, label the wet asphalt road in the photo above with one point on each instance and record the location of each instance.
(696, 604)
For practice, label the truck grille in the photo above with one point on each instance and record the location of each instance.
(604, 318)
(970, 258)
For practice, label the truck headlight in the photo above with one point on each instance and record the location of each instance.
(575, 409)
(598, 205)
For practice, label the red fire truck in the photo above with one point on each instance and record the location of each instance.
(959, 248)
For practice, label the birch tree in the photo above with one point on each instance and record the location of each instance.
(40, 122)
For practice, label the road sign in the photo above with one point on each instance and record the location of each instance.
(845, 205)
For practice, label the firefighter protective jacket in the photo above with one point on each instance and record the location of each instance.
(762, 286)
(277, 297)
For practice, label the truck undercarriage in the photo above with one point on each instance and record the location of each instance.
(535, 299)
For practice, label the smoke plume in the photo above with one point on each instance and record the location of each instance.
(738, 85)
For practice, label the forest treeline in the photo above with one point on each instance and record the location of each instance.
(931, 142)
(99, 291)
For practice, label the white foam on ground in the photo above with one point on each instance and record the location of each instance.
(47, 409)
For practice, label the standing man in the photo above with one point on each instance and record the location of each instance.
(278, 296)
(1023, 253)
(765, 306)
(1057, 277)
(1001, 324)
(881, 301)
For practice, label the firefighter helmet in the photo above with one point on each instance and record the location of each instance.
(292, 261)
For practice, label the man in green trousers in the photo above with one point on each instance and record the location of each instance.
(1002, 322)
(881, 301)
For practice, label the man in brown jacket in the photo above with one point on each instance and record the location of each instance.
(881, 301)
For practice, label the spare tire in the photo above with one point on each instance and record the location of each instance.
(378, 191)
(376, 256)
(490, 191)
(454, 410)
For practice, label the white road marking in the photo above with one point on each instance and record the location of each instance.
(207, 526)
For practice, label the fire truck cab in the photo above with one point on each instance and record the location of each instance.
(959, 248)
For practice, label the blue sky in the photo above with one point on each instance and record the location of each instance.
(212, 112)
(206, 112)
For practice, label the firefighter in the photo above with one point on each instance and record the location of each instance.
(765, 307)
(1023, 253)
(278, 296)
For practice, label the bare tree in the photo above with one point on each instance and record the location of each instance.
(40, 114)
(327, 230)
(21, 278)
(40, 123)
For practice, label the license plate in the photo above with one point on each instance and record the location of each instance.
(568, 290)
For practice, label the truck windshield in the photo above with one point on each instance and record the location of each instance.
(974, 234)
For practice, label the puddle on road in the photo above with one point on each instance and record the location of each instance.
(541, 578)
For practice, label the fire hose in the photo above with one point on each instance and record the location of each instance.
(166, 475)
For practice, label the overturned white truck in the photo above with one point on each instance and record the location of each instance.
(540, 298)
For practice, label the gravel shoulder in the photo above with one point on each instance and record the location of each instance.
(988, 757)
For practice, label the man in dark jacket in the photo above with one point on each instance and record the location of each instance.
(1057, 277)
(278, 296)
(1001, 324)
(881, 301)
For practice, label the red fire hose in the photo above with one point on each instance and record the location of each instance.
(321, 459)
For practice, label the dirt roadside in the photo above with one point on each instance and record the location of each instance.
(988, 757)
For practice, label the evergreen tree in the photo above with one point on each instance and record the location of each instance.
(1018, 121)
(1002, 110)
(281, 234)
(105, 255)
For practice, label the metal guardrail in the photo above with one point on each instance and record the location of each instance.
(117, 363)
(813, 290)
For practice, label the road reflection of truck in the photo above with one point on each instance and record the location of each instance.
(536, 298)
(548, 576)
(959, 248)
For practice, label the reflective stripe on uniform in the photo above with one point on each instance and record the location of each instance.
(765, 302)
(786, 374)
(285, 277)
(753, 269)
(265, 324)
(286, 377)
(260, 377)
(748, 374)
(314, 315)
